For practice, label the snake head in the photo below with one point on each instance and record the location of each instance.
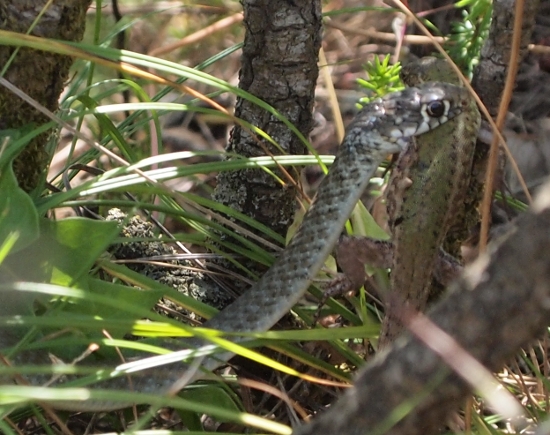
(393, 119)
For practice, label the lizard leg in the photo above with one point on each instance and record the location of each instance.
(353, 253)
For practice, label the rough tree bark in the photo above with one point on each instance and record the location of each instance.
(279, 66)
(40, 74)
(489, 76)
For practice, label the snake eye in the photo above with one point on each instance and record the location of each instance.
(436, 109)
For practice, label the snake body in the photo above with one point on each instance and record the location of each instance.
(383, 127)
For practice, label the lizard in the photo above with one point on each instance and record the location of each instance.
(383, 127)
(425, 198)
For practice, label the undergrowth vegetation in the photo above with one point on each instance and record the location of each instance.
(144, 133)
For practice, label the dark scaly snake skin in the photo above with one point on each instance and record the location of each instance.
(381, 128)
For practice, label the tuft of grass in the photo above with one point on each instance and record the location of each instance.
(383, 78)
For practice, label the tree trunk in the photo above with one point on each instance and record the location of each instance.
(279, 66)
(40, 74)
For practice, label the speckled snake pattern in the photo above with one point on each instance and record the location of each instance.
(381, 128)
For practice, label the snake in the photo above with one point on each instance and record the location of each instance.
(382, 127)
